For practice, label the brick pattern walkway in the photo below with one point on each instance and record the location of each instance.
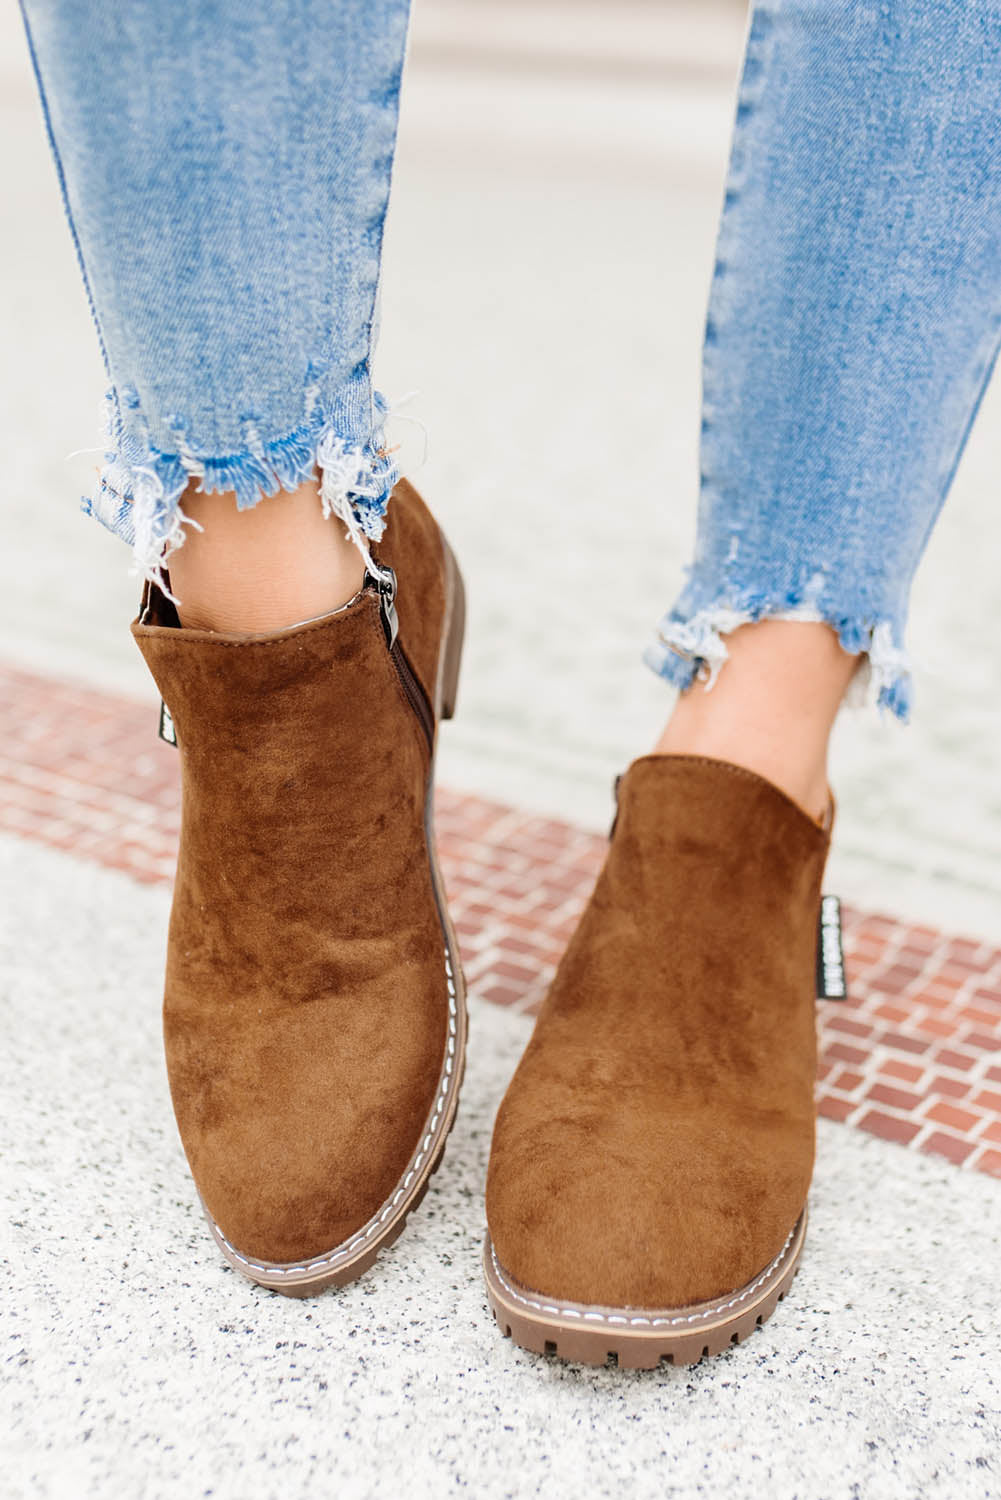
(913, 1055)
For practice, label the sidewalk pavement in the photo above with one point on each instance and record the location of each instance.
(139, 1365)
(913, 1055)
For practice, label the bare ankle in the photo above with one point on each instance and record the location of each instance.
(262, 569)
(772, 708)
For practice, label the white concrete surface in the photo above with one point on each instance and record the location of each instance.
(139, 1367)
(547, 262)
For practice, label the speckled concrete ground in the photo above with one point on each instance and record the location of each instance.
(546, 269)
(138, 1366)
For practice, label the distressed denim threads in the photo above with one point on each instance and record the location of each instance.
(225, 169)
(853, 323)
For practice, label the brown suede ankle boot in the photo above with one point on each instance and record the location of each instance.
(314, 1013)
(646, 1196)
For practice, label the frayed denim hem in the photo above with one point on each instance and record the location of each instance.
(690, 647)
(139, 489)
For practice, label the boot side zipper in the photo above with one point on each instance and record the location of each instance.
(385, 585)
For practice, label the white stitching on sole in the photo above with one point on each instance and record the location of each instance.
(375, 1223)
(618, 1320)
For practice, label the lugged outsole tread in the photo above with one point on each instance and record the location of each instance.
(614, 1357)
(537, 1327)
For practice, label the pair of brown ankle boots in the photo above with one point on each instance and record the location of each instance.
(646, 1195)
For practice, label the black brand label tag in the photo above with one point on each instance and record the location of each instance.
(831, 982)
(167, 730)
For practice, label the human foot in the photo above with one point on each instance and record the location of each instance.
(314, 1017)
(646, 1195)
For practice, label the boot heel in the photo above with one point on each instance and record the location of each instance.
(451, 657)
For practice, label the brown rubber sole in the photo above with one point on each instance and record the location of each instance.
(639, 1338)
(346, 1262)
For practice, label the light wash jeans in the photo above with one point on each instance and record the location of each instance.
(226, 169)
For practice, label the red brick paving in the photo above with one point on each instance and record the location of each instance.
(952, 1147)
(911, 1056)
(835, 1109)
(888, 1127)
(960, 1120)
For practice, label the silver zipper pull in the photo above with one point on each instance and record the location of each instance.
(385, 583)
(167, 731)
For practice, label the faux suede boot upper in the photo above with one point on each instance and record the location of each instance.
(656, 1143)
(310, 997)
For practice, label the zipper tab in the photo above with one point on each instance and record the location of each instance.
(385, 585)
(167, 731)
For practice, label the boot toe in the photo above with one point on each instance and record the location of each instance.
(638, 1209)
(293, 1151)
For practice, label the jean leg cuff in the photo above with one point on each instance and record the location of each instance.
(138, 494)
(690, 646)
